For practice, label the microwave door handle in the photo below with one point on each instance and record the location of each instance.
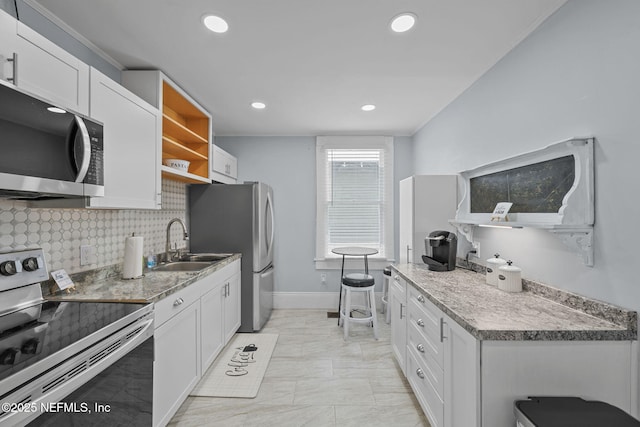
(86, 150)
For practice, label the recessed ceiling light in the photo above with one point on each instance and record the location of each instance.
(215, 23)
(368, 107)
(56, 110)
(259, 105)
(403, 22)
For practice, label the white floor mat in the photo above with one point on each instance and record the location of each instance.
(238, 373)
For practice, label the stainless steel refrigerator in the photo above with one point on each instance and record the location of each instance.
(238, 218)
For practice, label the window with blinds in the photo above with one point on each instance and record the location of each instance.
(355, 202)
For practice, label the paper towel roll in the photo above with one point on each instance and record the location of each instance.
(132, 267)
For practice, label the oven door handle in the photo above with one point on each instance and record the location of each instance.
(85, 149)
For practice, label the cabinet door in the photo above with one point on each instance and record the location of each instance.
(405, 220)
(224, 166)
(211, 320)
(131, 150)
(462, 377)
(398, 298)
(176, 368)
(232, 307)
(49, 71)
(8, 40)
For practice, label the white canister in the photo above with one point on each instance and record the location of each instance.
(510, 278)
(492, 269)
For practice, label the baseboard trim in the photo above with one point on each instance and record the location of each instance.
(311, 300)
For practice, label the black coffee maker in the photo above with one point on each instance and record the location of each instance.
(441, 247)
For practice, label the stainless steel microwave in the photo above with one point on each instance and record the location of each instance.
(46, 151)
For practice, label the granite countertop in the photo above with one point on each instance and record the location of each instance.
(540, 312)
(152, 287)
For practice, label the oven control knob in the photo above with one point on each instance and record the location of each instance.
(8, 268)
(30, 346)
(30, 264)
(8, 357)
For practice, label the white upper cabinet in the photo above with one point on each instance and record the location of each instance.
(8, 37)
(131, 151)
(41, 67)
(225, 166)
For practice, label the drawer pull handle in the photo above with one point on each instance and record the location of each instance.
(420, 348)
(420, 373)
(420, 298)
(420, 322)
(442, 325)
(178, 302)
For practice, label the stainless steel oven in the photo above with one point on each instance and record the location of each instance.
(47, 151)
(70, 363)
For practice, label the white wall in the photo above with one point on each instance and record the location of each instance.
(578, 74)
(288, 164)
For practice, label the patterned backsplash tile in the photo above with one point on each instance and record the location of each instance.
(61, 232)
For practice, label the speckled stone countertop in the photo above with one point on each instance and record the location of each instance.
(540, 312)
(152, 287)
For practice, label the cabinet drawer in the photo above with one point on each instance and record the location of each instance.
(427, 320)
(432, 370)
(173, 304)
(429, 400)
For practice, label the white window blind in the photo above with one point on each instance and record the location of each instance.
(354, 194)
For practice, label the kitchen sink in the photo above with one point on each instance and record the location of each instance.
(192, 262)
(205, 257)
(183, 266)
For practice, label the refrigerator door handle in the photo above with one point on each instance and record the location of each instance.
(271, 217)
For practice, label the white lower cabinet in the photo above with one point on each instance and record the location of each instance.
(398, 307)
(220, 315)
(211, 335)
(444, 369)
(191, 330)
(443, 364)
(231, 306)
(176, 368)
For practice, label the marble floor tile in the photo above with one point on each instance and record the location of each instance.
(293, 368)
(316, 378)
(333, 391)
(398, 415)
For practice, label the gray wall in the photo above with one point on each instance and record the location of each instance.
(576, 75)
(288, 164)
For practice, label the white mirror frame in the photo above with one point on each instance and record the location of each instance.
(573, 223)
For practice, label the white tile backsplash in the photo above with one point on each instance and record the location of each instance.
(61, 232)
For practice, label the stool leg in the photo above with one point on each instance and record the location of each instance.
(388, 313)
(340, 308)
(347, 313)
(374, 315)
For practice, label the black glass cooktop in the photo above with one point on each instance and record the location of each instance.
(36, 332)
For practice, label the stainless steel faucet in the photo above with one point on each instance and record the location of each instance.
(168, 256)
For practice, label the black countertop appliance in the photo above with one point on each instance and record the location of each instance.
(440, 247)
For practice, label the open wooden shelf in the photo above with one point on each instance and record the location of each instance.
(183, 176)
(172, 149)
(185, 135)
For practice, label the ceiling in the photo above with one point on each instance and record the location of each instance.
(314, 63)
